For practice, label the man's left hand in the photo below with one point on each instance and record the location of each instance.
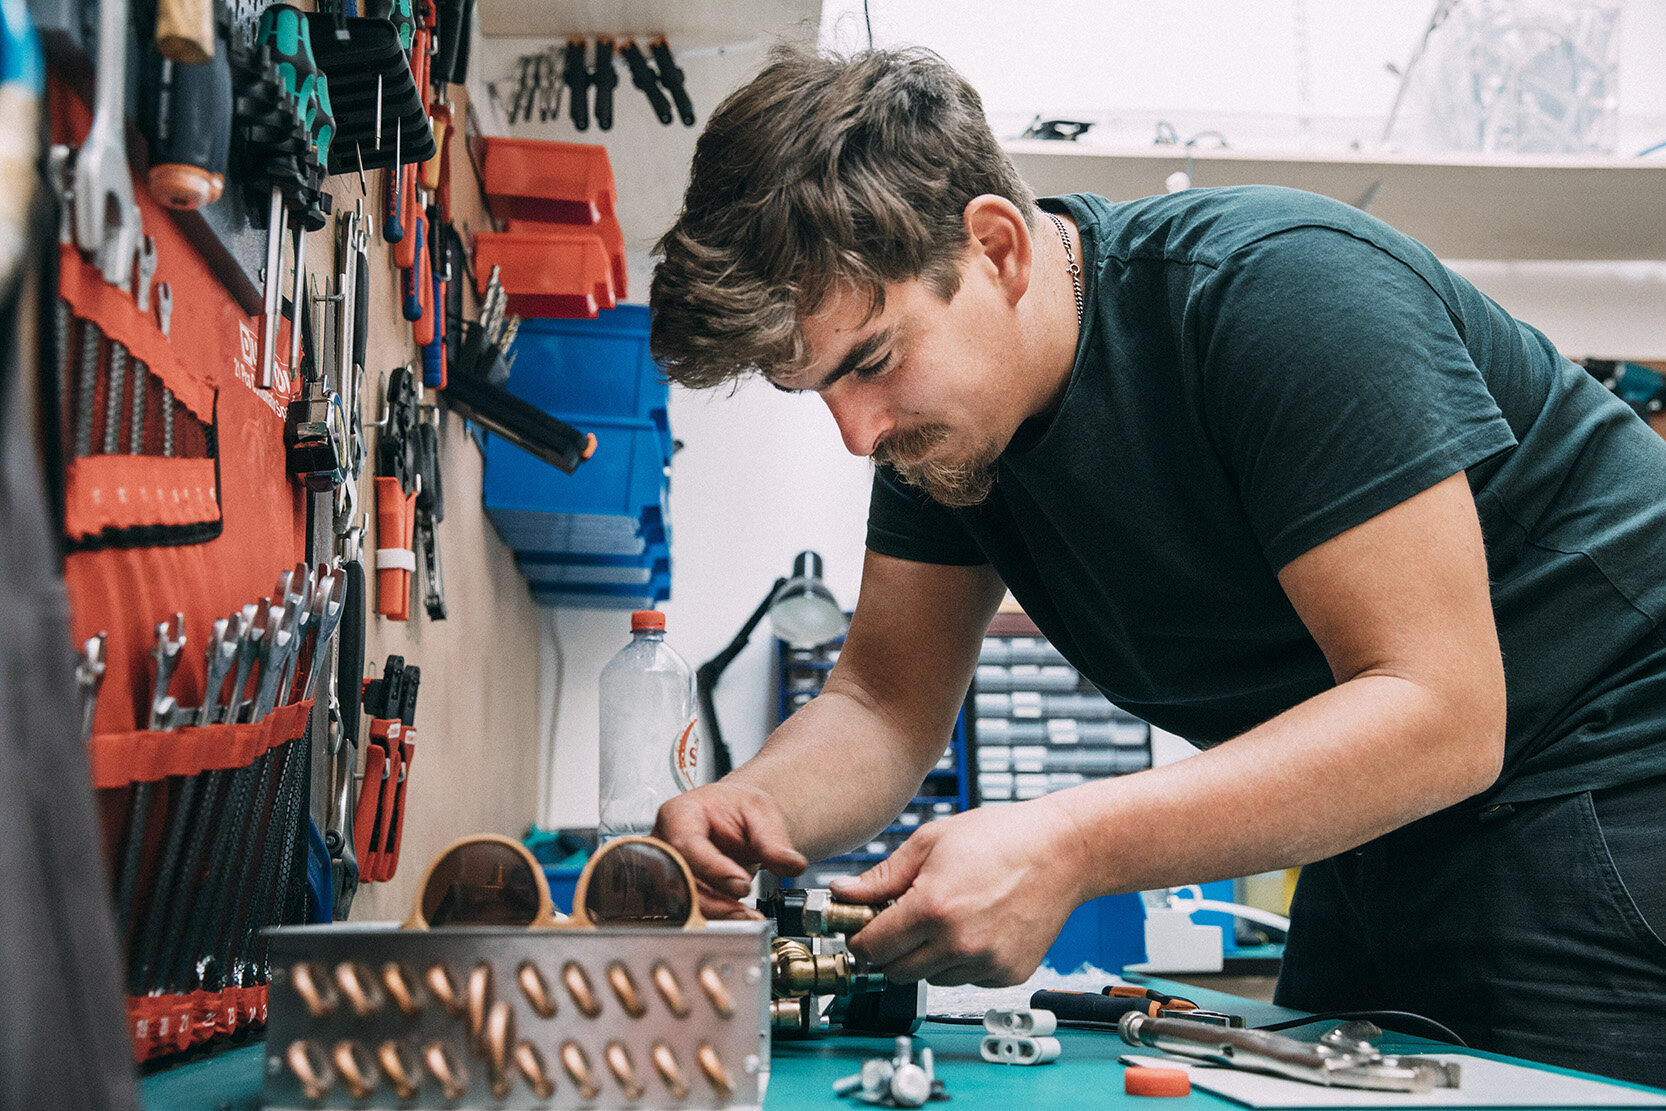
(979, 896)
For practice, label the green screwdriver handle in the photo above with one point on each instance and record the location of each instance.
(283, 28)
(323, 123)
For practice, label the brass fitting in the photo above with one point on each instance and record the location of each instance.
(826, 917)
(795, 972)
(786, 1014)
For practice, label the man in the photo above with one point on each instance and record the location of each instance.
(1271, 477)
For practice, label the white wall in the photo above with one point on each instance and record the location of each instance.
(763, 475)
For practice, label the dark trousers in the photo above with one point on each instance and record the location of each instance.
(1533, 930)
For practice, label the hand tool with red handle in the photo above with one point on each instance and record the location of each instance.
(399, 781)
(382, 698)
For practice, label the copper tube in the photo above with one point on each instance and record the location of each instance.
(711, 982)
(444, 988)
(578, 986)
(530, 1063)
(669, 989)
(445, 1066)
(478, 998)
(619, 979)
(536, 989)
(396, 978)
(665, 1063)
(578, 1067)
(619, 1064)
(499, 1036)
(359, 987)
(315, 988)
(357, 1069)
(400, 1066)
(712, 1066)
(311, 1067)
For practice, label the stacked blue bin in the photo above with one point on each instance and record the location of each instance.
(601, 537)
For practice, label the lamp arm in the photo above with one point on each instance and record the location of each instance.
(706, 676)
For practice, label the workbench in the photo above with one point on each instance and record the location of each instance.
(802, 1073)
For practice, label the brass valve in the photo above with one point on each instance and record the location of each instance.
(826, 917)
(795, 971)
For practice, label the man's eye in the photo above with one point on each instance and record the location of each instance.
(873, 369)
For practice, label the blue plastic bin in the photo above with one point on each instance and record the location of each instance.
(594, 368)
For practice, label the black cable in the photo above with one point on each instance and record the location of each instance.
(869, 21)
(1429, 1027)
(1426, 1027)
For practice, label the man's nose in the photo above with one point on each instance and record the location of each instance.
(861, 417)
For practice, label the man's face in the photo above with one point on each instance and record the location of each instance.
(922, 386)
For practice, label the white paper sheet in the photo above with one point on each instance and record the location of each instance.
(1485, 1083)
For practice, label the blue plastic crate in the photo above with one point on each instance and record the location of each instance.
(589, 368)
(565, 568)
(625, 476)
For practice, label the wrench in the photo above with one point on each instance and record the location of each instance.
(107, 224)
(222, 655)
(274, 658)
(164, 316)
(327, 605)
(164, 711)
(299, 596)
(255, 616)
(89, 674)
(141, 373)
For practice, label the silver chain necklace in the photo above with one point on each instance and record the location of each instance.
(1075, 271)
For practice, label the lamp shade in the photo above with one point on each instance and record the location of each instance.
(802, 610)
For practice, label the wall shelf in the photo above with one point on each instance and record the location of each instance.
(1460, 206)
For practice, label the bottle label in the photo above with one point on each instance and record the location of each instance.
(685, 757)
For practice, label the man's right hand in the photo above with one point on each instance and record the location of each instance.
(727, 831)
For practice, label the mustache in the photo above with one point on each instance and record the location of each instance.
(912, 443)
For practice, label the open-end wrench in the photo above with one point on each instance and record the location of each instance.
(89, 674)
(281, 626)
(163, 708)
(298, 600)
(141, 373)
(106, 216)
(222, 656)
(164, 316)
(328, 602)
(253, 627)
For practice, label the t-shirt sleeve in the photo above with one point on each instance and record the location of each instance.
(1335, 383)
(904, 522)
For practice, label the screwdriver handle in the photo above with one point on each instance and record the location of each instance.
(322, 126)
(397, 12)
(642, 76)
(188, 157)
(393, 196)
(361, 310)
(433, 352)
(185, 30)
(577, 79)
(412, 289)
(283, 28)
(671, 76)
(423, 326)
(604, 78)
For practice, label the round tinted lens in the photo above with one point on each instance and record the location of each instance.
(481, 883)
(635, 883)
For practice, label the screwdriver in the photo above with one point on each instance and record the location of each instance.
(321, 128)
(283, 29)
(193, 132)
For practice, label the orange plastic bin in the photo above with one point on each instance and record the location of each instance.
(555, 271)
(535, 179)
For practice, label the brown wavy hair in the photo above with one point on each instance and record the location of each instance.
(822, 174)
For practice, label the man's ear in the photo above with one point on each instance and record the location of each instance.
(999, 239)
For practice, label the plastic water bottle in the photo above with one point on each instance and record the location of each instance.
(650, 743)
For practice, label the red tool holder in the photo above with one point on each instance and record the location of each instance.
(563, 253)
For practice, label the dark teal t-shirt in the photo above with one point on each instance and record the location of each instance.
(1260, 370)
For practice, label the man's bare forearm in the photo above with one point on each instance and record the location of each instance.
(1331, 773)
(840, 770)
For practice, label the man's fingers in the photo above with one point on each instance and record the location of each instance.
(884, 881)
(716, 905)
(691, 834)
(767, 837)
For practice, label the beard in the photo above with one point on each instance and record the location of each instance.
(957, 483)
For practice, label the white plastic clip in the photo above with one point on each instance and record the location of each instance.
(1023, 1024)
(1012, 1049)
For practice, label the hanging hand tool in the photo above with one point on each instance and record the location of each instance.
(141, 373)
(164, 318)
(604, 79)
(413, 297)
(430, 511)
(643, 77)
(296, 174)
(185, 30)
(396, 481)
(191, 136)
(162, 715)
(395, 834)
(672, 78)
(321, 132)
(338, 831)
(107, 222)
(576, 76)
(382, 701)
(89, 676)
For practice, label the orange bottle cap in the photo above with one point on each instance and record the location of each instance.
(647, 619)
